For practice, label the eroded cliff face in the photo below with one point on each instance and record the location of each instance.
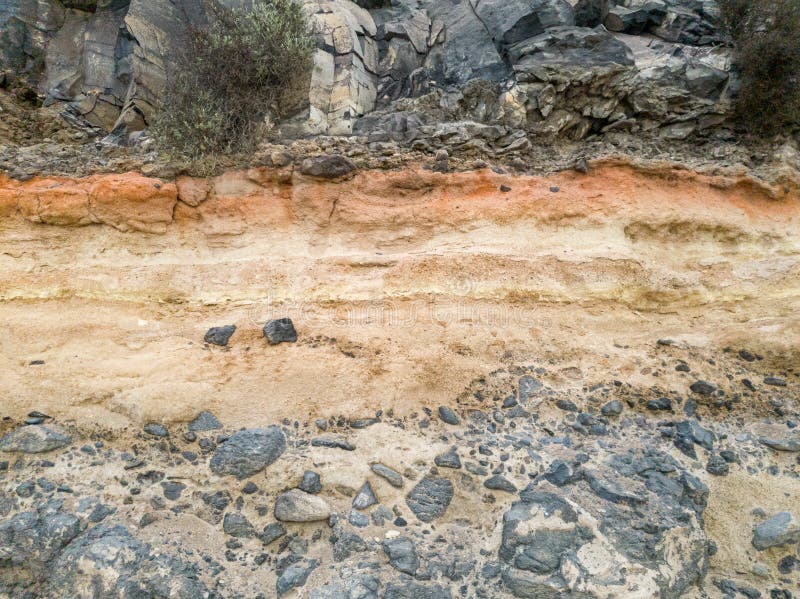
(564, 321)
(649, 245)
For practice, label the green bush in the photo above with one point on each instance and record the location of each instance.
(766, 39)
(245, 68)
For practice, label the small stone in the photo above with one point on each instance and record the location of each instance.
(147, 519)
(157, 430)
(311, 483)
(402, 555)
(295, 576)
(717, 466)
(448, 416)
(358, 519)
(500, 483)
(204, 421)
(612, 408)
(528, 388)
(505, 188)
(394, 478)
(555, 189)
(299, 506)
(333, 443)
(746, 355)
(172, 489)
(662, 404)
(774, 381)
(582, 166)
(237, 526)
(279, 331)
(365, 497)
(250, 488)
(780, 529)
(702, 388)
(272, 532)
(559, 473)
(220, 335)
(449, 459)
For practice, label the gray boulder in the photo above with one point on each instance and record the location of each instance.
(248, 452)
(780, 529)
(37, 438)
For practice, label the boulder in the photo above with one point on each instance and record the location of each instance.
(430, 498)
(248, 452)
(781, 529)
(298, 506)
(38, 438)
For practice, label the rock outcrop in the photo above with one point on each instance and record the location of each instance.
(543, 67)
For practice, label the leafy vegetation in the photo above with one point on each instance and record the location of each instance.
(233, 76)
(766, 38)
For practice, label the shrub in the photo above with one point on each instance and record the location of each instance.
(766, 40)
(233, 75)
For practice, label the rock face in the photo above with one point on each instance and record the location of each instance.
(34, 439)
(547, 67)
(100, 561)
(552, 536)
(248, 452)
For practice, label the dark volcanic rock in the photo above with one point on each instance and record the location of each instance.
(279, 331)
(430, 498)
(402, 554)
(327, 167)
(449, 416)
(311, 483)
(449, 459)
(220, 335)
(298, 506)
(394, 478)
(237, 525)
(34, 439)
(413, 590)
(248, 452)
(204, 421)
(702, 388)
(295, 576)
(498, 482)
(365, 497)
(780, 529)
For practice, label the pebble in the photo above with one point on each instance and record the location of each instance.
(448, 416)
(393, 478)
(311, 483)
